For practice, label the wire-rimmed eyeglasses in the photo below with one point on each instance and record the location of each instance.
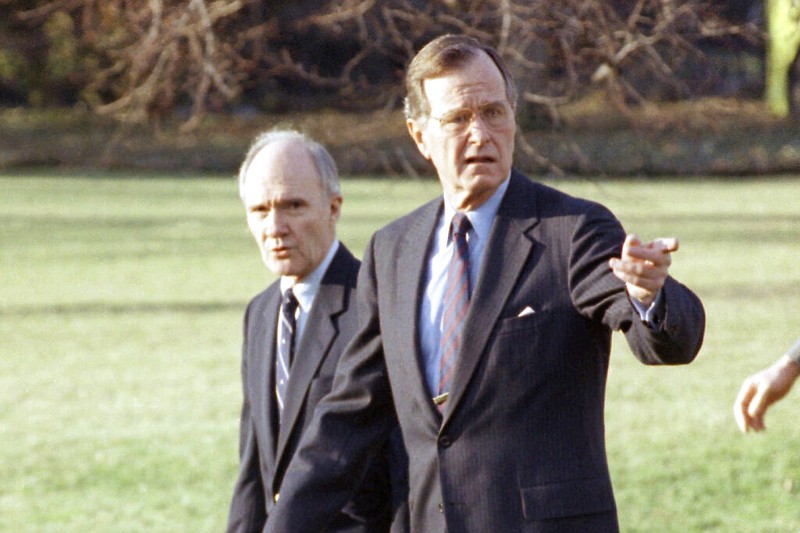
(494, 115)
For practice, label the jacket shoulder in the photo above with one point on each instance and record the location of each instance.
(550, 201)
(262, 299)
(401, 225)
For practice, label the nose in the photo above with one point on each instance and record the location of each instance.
(478, 130)
(274, 224)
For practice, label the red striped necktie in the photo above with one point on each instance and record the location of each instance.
(456, 302)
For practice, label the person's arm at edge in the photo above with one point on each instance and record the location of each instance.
(762, 389)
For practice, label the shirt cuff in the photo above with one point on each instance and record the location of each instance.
(653, 315)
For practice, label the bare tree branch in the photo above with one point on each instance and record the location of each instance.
(149, 58)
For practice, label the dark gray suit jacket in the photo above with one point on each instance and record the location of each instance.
(265, 449)
(521, 444)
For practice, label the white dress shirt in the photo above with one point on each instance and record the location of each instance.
(305, 291)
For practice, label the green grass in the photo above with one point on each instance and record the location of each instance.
(120, 319)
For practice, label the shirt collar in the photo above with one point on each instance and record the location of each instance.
(482, 217)
(305, 289)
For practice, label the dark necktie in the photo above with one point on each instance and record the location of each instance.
(456, 303)
(283, 361)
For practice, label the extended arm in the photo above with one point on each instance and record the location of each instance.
(611, 269)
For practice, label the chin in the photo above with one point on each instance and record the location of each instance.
(277, 267)
(484, 170)
(487, 179)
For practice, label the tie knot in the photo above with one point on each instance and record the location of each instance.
(461, 224)
(289, 301)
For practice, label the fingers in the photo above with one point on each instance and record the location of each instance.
(742, 407)
(751, 406)
(631, 240)
(758, 392)
(668, 245)
(761, 390)
(758, 407)
(657, 252)
(644, 266)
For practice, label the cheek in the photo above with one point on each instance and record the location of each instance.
(508, 144)
(444, 154)
(255, 230)
(311, 234)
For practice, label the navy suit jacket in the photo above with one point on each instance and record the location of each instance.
(520, 445)
(266, 448)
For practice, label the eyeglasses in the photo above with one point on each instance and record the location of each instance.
(494, 115)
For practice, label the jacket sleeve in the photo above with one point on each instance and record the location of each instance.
(598, 294)
(348, 425)
(248, 510)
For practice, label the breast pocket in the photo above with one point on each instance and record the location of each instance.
(518, 344)
(525, 323)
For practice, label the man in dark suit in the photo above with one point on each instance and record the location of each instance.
(488, 340)
(295, 331)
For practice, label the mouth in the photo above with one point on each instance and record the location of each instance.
(479, 160)
(279, 251)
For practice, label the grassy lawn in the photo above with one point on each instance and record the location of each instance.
(120, 323)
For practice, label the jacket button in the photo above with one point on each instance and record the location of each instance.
(276, 497)
(444, 441)
(441, 508)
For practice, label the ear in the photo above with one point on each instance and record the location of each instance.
(417, 133)
(336, 207)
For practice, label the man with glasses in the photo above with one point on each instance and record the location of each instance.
(485, 330)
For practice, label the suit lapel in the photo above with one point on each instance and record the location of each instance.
(318, 336)
(412, 268)
(508, 249)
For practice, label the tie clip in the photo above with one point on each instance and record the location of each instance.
(439, 400)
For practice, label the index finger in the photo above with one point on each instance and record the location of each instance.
(666, 244)
(656, 253)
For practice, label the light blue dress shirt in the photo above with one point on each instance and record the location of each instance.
(430, 326)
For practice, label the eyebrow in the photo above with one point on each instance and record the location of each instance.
(279, 203)
(470, 108)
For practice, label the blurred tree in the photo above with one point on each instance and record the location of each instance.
(136, 61)
(632, 49)
(783, 27)
(140, 60)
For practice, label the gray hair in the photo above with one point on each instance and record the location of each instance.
(326, 166)
(442, 55)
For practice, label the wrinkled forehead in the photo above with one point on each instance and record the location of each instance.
(475, 83)
(282, 159)
(280, 170)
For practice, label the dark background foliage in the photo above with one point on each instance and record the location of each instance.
(124, 72)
